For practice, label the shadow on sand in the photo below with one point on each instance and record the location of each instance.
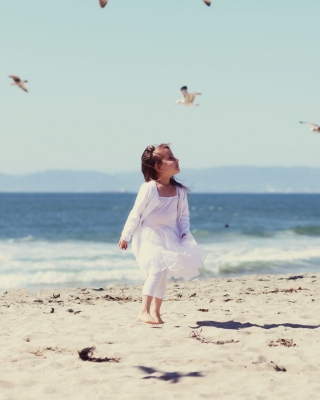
(234, 325)
(172, 377)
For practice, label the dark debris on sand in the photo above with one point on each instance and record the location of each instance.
(86, 354)
(282, 342)
(202, 339)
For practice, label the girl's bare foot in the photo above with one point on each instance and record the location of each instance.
(156, 317)
(144, 316)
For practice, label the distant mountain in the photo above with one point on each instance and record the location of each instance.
(212, 180)
(247, 179)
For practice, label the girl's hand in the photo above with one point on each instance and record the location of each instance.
(123, 244)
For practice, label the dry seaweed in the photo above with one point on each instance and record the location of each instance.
(282, 342)
(293, 278)
(173, 312)
(226, 341)
(51, 312)
(291, 290)
(116, 298)
(277, 368)
(86, 354)
(203, 309)
(71, 310)
(202, 339)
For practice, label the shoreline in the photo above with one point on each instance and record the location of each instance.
(203, 277)
(253, 336)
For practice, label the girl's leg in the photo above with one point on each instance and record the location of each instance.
(155, 313)
(144, 314)
(148, 291)
(158, 298)
(154, 287)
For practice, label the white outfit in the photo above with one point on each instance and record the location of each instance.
(157, 225)
(155, 285)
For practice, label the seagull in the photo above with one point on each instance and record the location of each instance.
(18, 82)
(188, 98)
(103, 3)
(314, 127)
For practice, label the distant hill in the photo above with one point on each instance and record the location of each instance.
(212, 180)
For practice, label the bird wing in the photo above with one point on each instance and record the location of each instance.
(21, 85)
(184, 91)
(310, 123)
(15, 78)
(191, 96)
(207, 2)
(103, 3)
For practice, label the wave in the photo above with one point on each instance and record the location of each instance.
(202, 235)
(236, 233)
(281, 254)
(29, 263)
(306, 230)
(41, 263)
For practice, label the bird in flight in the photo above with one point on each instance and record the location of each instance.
(18, 82)
(314, 127)
(103, 3)
(188, 98)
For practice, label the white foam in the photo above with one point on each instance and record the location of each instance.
(32, 263)
(28, 263)
(279, 249)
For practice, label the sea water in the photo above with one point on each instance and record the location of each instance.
(63, 240)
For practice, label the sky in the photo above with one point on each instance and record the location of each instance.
(103, 83)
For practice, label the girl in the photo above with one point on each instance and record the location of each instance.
(159, 223)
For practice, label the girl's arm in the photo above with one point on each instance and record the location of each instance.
(184, 221)
(133, 219)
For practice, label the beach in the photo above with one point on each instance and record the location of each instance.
(250, 337)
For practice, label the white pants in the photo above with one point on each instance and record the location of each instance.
(155, 285)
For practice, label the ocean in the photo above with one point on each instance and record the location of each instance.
(52, 241)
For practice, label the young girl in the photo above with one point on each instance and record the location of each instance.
(159, 223)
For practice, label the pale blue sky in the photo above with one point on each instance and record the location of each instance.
(103, 83)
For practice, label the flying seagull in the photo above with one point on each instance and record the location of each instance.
(103, 3)
(314, 127)
(18, 82)
(188, 98)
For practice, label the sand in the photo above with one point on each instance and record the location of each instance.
(252, 337)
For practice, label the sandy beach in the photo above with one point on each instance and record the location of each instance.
(252, 337)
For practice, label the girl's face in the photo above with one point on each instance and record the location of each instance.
(170, 164)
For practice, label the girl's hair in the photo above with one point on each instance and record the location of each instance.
(151, 159)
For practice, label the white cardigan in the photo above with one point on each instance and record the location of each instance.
(146, 201)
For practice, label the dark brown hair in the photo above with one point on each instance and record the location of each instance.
(151, 159)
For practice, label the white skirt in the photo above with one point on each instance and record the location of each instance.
(160, 249)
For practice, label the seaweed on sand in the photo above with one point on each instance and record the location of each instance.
(198, 336)
(87, 353)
